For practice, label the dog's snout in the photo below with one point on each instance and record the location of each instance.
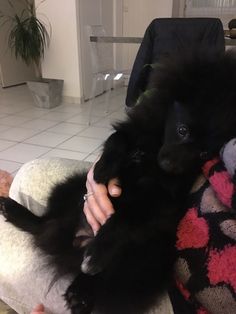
(166, 165)
(178, 159)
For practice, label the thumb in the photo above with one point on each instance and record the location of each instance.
(114, 188)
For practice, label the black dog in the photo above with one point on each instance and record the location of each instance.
(156, 154)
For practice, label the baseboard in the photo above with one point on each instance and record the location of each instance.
(72, 100)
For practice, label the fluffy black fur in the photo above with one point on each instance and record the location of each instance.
(156, 154)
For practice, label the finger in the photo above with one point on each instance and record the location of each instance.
(90, 173)
(114, 188)
(39, 309)
(99, 203)
(103, 202)
(91, 220)
(95, 209)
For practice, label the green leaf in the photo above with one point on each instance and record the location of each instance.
(28, 37)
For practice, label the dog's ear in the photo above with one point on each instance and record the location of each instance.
(114, 152)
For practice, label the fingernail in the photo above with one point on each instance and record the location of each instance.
(115, 191)
(95, 232)
(104, 221)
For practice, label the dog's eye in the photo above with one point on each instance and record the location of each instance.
(183, 130)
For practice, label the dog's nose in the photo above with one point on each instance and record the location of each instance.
(166, 165)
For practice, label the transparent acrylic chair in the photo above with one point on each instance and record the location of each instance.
(102, 65)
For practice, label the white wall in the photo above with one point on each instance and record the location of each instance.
(62, 58)
(137, 15)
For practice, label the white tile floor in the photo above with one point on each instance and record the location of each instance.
(28, 132)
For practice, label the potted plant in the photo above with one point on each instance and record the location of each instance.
(28, 38)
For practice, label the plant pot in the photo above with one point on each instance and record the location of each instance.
(232, 33)
(47, 93)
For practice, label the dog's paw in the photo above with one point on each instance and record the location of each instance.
(80, 295)
(78, 304)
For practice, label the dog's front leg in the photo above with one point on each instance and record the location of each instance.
(80, 294)
(106, 247)
(19, 216)
(114, 152)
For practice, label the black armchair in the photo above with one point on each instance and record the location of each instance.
(166, 37)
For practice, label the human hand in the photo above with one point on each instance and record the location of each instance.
(39, 309)
(97, 207)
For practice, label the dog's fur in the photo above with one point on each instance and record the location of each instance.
(156, 154)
